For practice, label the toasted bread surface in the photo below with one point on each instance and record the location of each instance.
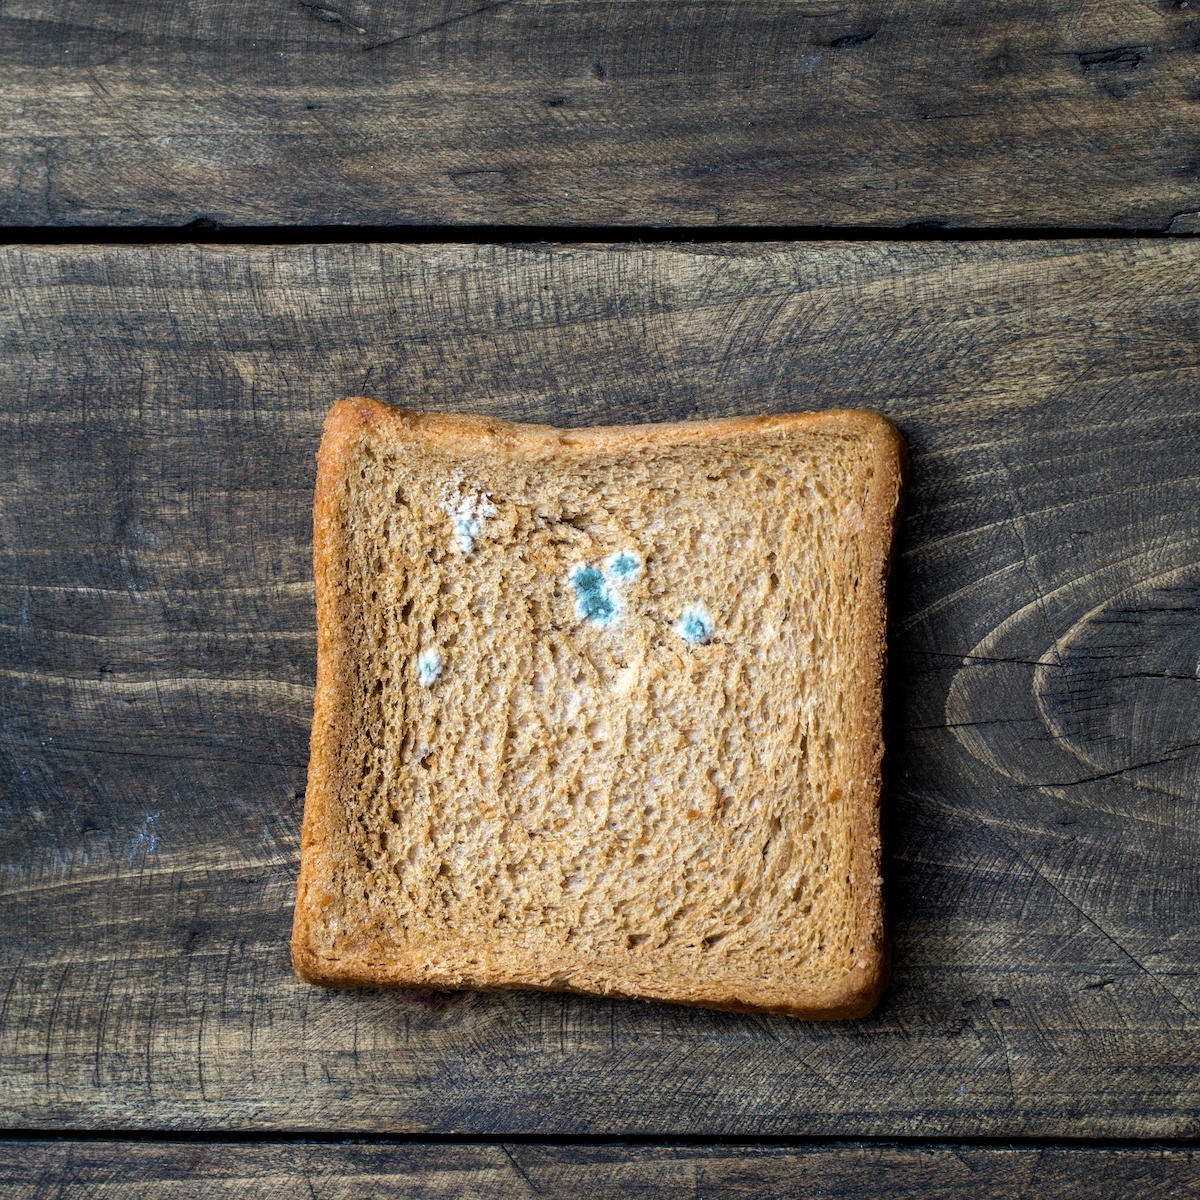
(600, 710)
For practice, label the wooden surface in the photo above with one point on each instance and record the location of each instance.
(588, 112)
(125, 1170)
(162, 408)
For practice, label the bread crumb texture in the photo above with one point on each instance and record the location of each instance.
(601, 712)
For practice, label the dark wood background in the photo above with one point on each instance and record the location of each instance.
(604, 112)
(163, 390)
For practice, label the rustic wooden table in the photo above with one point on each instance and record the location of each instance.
(220, 218)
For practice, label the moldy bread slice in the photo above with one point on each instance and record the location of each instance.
(600, 709)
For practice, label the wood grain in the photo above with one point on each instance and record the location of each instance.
(589, 112)
(162, 409)
(128, 1170)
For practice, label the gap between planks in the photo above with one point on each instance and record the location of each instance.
(211, 233)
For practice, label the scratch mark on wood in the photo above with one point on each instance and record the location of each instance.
(495, 6)
(988, 823)
(516, 1166)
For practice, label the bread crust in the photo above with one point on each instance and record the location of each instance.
(852, 995)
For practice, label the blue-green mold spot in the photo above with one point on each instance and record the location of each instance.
(594, 602)
(694, 625)
(624, 566)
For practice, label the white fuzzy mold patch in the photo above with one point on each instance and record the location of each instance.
(467, 511)
(429, 667)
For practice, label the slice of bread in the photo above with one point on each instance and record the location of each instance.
(599, 710)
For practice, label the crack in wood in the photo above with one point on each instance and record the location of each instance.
(1130, 57)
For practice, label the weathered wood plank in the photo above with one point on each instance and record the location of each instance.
(578, 112)
(130, 1170)
(162, 408)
